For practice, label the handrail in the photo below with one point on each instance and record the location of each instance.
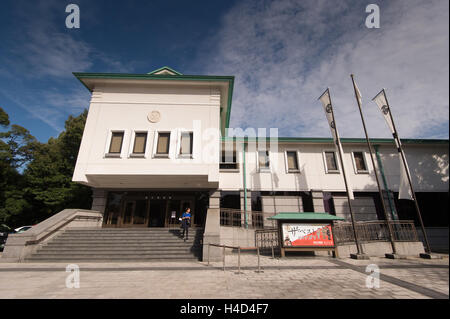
(67, 221)
(403, 230)
(239, 248)
(231, 217)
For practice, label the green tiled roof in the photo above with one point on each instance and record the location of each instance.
(343, 140)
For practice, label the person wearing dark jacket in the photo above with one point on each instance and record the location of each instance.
(186, 222)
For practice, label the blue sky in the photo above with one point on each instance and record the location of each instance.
(284, 54)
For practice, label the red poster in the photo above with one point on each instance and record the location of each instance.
(307, 235)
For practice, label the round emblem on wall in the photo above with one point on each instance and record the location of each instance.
(154, 116)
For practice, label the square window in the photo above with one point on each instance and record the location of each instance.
(330, 160)
(116, 143)
(263, 160)
(163, 144)
(186, 144)
(360, 163)
(292, 161)
(140, 140)
(228, 159)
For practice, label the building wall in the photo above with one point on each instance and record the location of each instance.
(115, 107)
(363, 208)
(428, 165)
(279, 204)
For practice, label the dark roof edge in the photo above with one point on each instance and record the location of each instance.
(81, 75)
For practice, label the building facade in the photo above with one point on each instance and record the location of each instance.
(157, 143)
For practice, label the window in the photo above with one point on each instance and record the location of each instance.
(115, 147)
(360, 162)
(263, 160)
(163, 143)
(186, 144)
(228, 160)
(228, 157)
(292, 161)
(330, 162)
(140, 141)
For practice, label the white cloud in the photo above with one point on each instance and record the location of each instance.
(55, 54)
(47, 52)
(284, 54)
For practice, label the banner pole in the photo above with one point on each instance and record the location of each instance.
(403, 157)
(359, 254)
(369, 145)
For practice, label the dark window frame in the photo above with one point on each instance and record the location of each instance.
(327, 169)
(115, 154)
(267, 165)
(360, 171)
(191, 146)
(292, 170)
(145, 144)
(164, 155)
(228, 166)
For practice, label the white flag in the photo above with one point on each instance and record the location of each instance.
(328, 108)
(381, 101)
(404, 190)
(358, 94)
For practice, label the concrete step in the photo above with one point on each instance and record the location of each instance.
(125, 240)
(118, 249)
(105, 244)
(122, 245)
(112, 256)
(111, 259)
(125, 235)
(116, 253)
(126, 231)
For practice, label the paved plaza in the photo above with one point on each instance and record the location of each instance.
(291, 277)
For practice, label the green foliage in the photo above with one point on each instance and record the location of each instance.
(45, 187)
(4, 118)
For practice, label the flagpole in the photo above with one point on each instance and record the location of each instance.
(369, 145)
(359, 254)
(402, 155)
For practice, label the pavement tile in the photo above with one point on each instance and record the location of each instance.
(282, 278)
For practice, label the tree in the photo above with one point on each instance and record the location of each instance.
(16, 148)
(49, 174)
(45, 186)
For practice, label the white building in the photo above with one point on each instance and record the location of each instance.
(151, 147)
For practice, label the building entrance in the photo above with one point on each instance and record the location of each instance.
(149, 209)
(157, 213)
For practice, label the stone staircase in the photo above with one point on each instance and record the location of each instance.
(121, 245)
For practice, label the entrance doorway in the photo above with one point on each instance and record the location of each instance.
(154, 209)
(135, 213)
(158, 209)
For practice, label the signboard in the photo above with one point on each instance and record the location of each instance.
(307, 235)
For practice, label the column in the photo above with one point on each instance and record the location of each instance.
(212, 228)
(317, 198)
